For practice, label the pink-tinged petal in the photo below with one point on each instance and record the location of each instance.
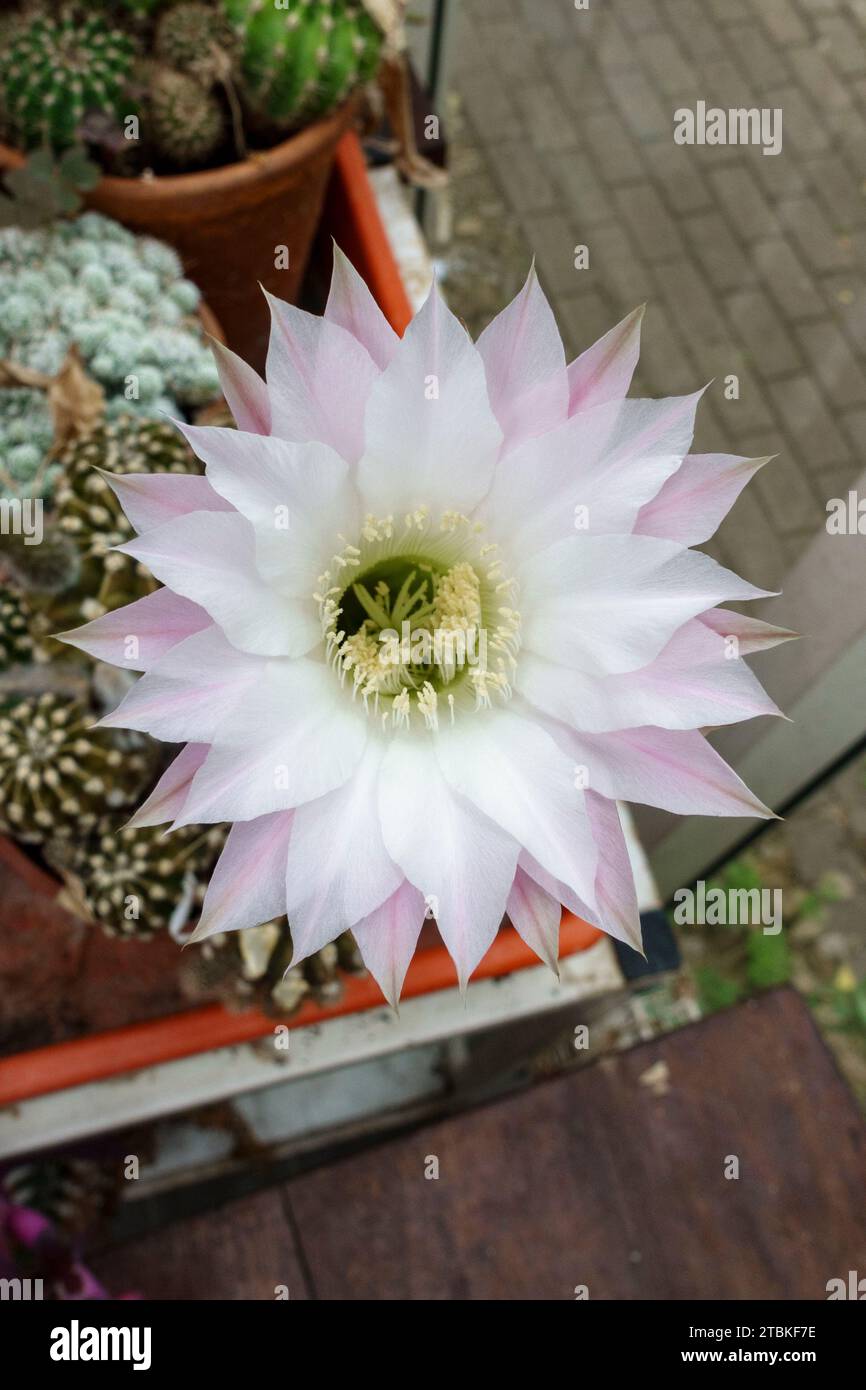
(248, 885)
(319, 380)
(695, 500)
(209, 557)
(296, 737)
(591, 476)
(388, 937)
(675, 769)
(604, 372)
(694, 682)
(139, 635)
(607, 604)
(511, 769)
(150, 499)
(298, 498)
(245, 392)
(352, 306)
(536, 916)
(460, 861)
(558, 890)
(189, 691)
(432, 438)
(615, 891)
(338, 870)
(752, 635)
(524, 361)
(168, 797)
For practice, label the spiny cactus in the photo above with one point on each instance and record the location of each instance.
(301, 61)
(58, 774)
(184, 120)
(16, 638)
(196, 39)
(57, 68)
(89, 513)
(135, 883)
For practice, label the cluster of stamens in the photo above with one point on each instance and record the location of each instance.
(419, 616)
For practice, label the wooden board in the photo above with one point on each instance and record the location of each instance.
(598, 1178)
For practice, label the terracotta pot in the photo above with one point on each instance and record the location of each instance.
(227, 223)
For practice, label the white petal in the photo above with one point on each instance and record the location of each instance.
(187, 694)
(167, 799)
(297, 497)
(675, 769)
(615, 893)
(209, 557)
(138, 635)
(245, 392)
(611, 603)
(511, 769)
(692, 683)
(296, 737)
(752, 635)
(338, 870)
(461, 862)
(248, 885)
(388, 937)
(319, 380)
(592, 475)
(352, 306)
(432, 438)
(524, 361)
(696, 499)
(149, 499)
(536, 915)
(604, 371)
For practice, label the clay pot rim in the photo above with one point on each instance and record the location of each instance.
(258, 166)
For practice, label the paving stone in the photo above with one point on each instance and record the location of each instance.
(760, 330)
(782, 21)
(695, 28)
(669, 367)
(553, 237)
(650, 223)
(583, 319)
(523, 175)
(720, 255)
(745, 205)
(646, 116)
(731, 11)
(846, 295)
(853, 423)
(672, 72)
(578, 78)
(787, 279)
(802, 128)
(841, 194)
(818, 439)
(822, 247)
(748, 537)
(490, 106)
(547, 121)
(613, 149)
(763, 61)
(724, 83)
(841, 43)
(643, 18)
(504, 41)
(678, 178)
(556, 23)
(577, 184)
(814, 73)
(613, 47)
(690, 300)
(619, 269)
(789, 501)
(833, 362)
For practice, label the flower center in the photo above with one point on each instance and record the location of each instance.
(420, 617)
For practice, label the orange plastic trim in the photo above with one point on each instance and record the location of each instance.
(352, 217)
(122, 1050)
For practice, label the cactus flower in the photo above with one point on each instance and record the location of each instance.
(433, 610)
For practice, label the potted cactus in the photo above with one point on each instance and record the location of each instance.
(215, 123)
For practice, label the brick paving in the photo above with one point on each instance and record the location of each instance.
(750, 264)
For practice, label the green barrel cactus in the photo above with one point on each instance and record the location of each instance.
(89, 513)
(59, 775)
(301, 61)
(137, 882)
(57, 67)
(16, 637)
(184, 120)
